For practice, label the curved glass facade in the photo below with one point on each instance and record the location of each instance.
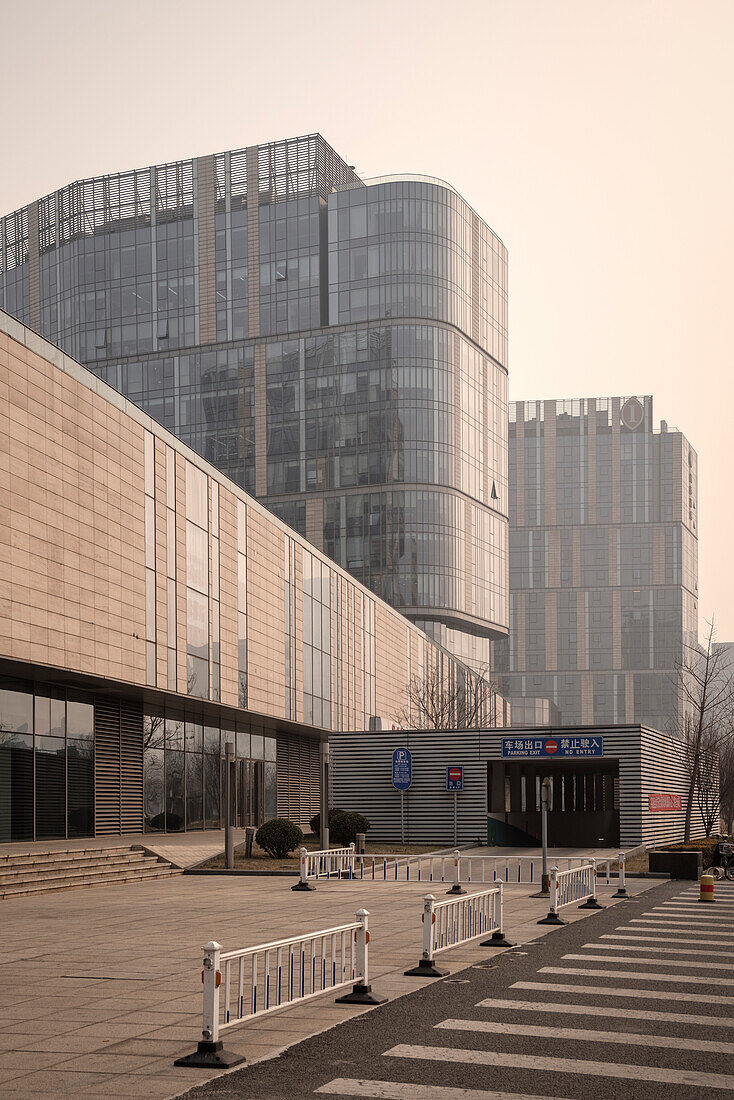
(337, 349)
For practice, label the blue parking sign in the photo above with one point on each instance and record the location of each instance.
(402, 769)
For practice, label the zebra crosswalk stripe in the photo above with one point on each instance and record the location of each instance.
(682, 979)
(631, 994)
(657, 950)
(651, 962)
(587, 1035)
(402, 1090)
(673, 939)
(564, 1065)
(567, 1009)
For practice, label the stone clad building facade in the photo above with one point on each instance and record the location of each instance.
(338, 348)
(603, 560)
(150, 611)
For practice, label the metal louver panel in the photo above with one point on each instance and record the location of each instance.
(118, 767)
(298, 778)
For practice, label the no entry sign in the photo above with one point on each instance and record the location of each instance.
(455, 778)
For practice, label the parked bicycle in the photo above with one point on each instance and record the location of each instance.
(723, 865)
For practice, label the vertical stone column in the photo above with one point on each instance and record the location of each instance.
(551, 631)
(616, 463)
(520, 462)
(549, 462)
(591, 462)
(315, 521)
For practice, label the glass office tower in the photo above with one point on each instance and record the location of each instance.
(338, 349)
(603, 560)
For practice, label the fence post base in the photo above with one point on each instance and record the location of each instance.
(456, 889)
(552, 918)
(497, 939)
(360, 995)
(303, 886)
(211, 1056)
(590, 903)
(621, 893)
(426, 968)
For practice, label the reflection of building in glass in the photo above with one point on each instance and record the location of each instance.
(603, 559)
(152, 612)
(337, 349)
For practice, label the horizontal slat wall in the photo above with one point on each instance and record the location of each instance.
(361, 770)
(361, 763)
(298, 778)
(118, 767)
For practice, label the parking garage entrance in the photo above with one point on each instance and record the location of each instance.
(584, 807)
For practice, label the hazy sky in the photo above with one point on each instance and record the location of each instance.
(595, 138)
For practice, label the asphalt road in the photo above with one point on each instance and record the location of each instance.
(661, 987)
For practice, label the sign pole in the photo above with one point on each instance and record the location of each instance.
(456, 818)
(402, 817)
(545, 794)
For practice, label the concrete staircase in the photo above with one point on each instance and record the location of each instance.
(38, 872)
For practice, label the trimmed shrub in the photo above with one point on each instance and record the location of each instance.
(344, 826)
(315, 821)
(279, 837)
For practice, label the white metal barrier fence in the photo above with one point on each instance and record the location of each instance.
(567, 887)
(456, 921)
(327, 863)
(253, 981)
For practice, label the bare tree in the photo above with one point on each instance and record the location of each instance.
(708, 790)
(436, 702)
(726, 783)
(706, 685)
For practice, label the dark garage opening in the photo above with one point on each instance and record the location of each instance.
(584, 808)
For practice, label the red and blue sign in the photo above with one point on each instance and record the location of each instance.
(455, 778)
(544, 747)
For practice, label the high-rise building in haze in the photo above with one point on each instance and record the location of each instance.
(603, 560)
(337, 348)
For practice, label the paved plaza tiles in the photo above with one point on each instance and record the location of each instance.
(101, 988)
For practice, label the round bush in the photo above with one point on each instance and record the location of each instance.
(278, 837)
(344, 826)
(315, 821)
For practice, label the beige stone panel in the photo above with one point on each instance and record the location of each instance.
(266, 611)
(520, 461)
(616, 463)
(181, 666)
(554, 558)
(616, 629)
(315, 521)
(581, 654)
(298, 648)
(549, 460)
(551, 631)
(613, 580)
(228, 606)
(576, 558)
(658, 555)
(629, 697)
(520, 636)
(591, 463)
(391, 666)
(587, 699)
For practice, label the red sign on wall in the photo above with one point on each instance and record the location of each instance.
(661, 803)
